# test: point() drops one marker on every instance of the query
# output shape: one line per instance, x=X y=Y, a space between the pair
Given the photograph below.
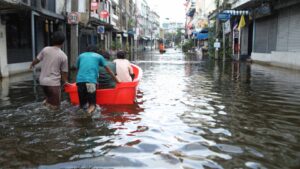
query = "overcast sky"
x=173 y=9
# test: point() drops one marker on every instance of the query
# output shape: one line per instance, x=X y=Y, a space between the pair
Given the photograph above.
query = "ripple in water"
x=190 y=114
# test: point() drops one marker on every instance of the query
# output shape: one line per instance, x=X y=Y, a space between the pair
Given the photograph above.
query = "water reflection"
x=33 y=134
x=190 y=113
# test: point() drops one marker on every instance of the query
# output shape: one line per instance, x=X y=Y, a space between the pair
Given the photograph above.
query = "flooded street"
x=190 y=113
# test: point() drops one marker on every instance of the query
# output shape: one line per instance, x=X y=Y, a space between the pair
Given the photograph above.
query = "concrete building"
x=26 y=26
x=272 y=33
x=147 y=22
x=154 y=29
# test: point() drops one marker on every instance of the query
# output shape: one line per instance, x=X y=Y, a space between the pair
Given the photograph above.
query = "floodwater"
x=190 y=113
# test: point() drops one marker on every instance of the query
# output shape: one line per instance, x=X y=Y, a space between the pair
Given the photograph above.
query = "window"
x=25 y=1
x=44 y=4
x=114 y=9
x=51 y=5
x=18 y=32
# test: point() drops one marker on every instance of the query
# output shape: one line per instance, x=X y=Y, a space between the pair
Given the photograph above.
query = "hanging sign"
x=227 y=28
x=94 y=5
x=104 y=14
x=223 y=16
x=100 y=29
x=73 y=18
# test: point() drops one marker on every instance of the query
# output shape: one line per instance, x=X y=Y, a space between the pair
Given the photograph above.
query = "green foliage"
x=211 y=40
x=116 y=45
x=188 y=45
x=228 y=47
x=131 y=22
x=217 y=2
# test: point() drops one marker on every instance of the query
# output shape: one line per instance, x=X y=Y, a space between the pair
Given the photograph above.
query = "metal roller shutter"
x=272 y=34
x=294 y=29
x=266 y=34
x=283 y=30
x=261 y=38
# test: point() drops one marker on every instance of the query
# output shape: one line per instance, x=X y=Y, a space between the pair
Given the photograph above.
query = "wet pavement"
x=190 y=113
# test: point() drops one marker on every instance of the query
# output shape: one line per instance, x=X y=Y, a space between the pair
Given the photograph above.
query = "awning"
x=202 y=36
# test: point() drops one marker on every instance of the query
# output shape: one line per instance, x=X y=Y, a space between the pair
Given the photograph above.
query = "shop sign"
x=227 y=28
x=223 y=16
x=104 y=14
x=100 y=29
x=94 y=5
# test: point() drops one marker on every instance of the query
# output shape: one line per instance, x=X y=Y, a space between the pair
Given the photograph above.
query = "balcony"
x=240 y=3
x=9 y=4
x=115 y=17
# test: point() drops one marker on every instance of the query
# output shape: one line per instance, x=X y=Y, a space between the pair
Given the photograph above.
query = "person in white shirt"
x=124 y=69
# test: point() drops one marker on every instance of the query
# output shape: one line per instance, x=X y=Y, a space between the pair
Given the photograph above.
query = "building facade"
x=272 y=33
x=26 y=26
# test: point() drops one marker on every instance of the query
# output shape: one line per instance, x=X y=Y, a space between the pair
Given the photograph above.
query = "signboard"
x=100 y=29
x=73 y=18
x=223 y=16
x=94 y=5
x=104 y=14
x=217 y=44
x=227 y=28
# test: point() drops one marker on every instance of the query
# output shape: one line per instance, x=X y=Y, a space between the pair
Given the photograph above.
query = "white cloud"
x=172 y=9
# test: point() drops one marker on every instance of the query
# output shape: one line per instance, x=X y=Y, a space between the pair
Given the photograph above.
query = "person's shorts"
x=86 y=93
x=52 y=94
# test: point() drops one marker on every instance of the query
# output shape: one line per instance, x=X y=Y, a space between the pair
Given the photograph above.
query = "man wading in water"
x=54 y=68
x=88 y=70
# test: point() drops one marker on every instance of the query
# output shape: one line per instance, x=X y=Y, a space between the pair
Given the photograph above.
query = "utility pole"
x=224 y=41
x=74 y=37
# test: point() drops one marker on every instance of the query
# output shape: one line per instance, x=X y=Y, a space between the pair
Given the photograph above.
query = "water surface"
x=190 y=113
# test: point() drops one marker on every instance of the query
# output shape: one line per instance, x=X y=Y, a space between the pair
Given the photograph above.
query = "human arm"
x=34 y=62
x=131 y=73
x=64 y=77
x=37 y=60
x=64 y=70
x=111 y=74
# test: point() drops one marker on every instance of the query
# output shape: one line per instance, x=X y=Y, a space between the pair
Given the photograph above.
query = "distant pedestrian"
x=54 y=68
x=88 y=68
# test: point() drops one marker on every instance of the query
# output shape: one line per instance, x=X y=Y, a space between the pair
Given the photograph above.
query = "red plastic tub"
x=123 y=93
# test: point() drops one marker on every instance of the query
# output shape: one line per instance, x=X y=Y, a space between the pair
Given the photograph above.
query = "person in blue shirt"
x=87 y=73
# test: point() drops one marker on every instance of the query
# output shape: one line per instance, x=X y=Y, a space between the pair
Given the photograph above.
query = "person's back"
x=54 y=68
x=52 y=58
x=124 y=69
x=105 y=80
x=88 y=64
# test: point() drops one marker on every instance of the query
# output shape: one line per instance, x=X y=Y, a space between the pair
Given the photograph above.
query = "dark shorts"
x=52 y=94
x=86 y=93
